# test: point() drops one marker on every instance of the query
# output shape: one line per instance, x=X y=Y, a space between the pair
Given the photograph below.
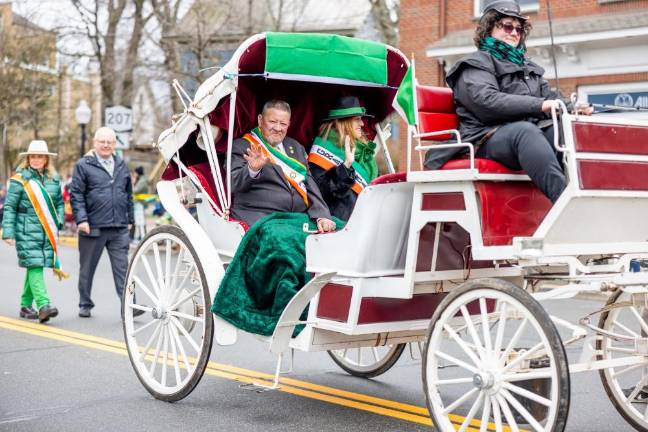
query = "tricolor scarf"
x=325 y=154
x=47 y=216
x=502 y=50
x=294 y=171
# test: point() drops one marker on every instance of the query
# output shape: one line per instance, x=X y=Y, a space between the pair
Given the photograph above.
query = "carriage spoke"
x=540 y=373
x=184 y=279
x=456 y=361
x=147 y=347
x=508 y=415
x=376 y=355
x=462 y=344
x=472 y=412
x=626 y=329
x=157 y=352
x=143 y=287
x=513 y=341
x=167 y=266
x=452 y=381
x=149 y=273
x=165 y=355
x=524 y=356
x=144 y=327
x=522 y=411
x=642 y=322
x=497 y=414
x=500 y=328
x=359 y=356
x=485 y=414
x=471 y=329
x=158 y=267
x=628 y=369
x=176 y=336
x=527 y=394
x=185 y=298
x=176 y=274
x=483 y=310
x=186 y=316
x=622 y=350
x=174 y=321
x=459 y=401
x=174 y=350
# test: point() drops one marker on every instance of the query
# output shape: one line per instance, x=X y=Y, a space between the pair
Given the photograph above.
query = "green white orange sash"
x=326 y=155
x=294 y=171
x=46 y=212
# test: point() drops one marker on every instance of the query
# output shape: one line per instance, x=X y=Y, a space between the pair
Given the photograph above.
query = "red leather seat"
x=203 y=172
x=484 y=166
x=390 y=178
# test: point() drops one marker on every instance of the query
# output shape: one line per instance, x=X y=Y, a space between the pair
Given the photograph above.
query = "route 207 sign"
x=120 y=119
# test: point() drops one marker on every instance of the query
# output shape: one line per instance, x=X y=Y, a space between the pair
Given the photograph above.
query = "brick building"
x=601 y=46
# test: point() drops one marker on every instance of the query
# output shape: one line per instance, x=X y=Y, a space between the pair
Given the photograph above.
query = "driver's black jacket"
x=489 y=92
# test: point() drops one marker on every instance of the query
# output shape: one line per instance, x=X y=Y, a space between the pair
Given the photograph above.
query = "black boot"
x=28 y=312
x=47 y=312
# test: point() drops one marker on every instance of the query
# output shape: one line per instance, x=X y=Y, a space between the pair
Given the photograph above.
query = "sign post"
x=120 y=119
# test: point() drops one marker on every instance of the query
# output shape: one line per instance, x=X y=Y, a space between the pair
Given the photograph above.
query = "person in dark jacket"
x=102 y=203
x=341 y=158
x=32 y=217
x=502 y=99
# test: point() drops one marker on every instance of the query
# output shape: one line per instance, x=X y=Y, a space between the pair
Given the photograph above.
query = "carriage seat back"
x=436 y=110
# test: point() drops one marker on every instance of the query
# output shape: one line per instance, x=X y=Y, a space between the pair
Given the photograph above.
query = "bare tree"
x=102 y=21
x=387 y=14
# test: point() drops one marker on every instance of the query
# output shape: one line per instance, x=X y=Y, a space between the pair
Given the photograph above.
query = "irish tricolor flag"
x=405 y=101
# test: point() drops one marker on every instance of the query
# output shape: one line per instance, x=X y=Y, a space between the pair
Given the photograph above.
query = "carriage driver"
x=270 y=172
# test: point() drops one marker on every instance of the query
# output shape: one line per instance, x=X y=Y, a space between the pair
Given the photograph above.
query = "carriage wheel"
x=367 y=362
x=494 y=361
x=169 y=344
x=624 y=385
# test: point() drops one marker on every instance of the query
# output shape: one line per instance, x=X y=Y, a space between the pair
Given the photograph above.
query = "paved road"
x=74 y=375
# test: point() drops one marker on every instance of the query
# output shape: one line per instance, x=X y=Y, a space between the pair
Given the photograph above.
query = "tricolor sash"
x=46 y=213
x=294 y=171
x=327 y=155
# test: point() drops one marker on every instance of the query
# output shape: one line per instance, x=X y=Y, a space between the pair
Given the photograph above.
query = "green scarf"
x=364 y=155
x=502 y=50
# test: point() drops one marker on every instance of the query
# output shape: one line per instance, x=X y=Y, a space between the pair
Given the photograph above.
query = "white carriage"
x=457 y=259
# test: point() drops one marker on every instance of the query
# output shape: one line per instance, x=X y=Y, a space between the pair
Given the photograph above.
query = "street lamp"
x=82 y=114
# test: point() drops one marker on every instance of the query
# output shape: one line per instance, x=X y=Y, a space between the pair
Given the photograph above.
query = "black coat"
x=97 y=198
x=335 y=185
x=489 y=92
x=270 y=192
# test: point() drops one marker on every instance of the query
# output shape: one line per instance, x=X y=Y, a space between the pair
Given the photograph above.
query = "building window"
x=525 y=5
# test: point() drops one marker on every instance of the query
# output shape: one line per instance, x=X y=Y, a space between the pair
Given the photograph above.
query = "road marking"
x=363 y=402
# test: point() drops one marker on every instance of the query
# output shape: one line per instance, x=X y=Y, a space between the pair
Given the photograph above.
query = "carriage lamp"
x=83 y=114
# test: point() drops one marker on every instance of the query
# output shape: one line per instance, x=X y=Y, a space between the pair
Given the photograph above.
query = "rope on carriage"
x=268 y=269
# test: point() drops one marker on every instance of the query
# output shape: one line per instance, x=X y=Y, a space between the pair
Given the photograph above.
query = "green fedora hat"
x=346 y=106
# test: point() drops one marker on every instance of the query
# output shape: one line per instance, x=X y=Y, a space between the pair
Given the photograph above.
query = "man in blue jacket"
x=102 y=203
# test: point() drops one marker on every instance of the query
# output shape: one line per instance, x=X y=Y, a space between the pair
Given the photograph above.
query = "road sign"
x=119 y=118
x=123 y=140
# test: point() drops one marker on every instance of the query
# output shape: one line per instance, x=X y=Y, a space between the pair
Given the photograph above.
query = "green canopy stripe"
x=326 y=55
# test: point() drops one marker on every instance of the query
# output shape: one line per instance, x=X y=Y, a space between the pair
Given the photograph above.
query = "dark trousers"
x=524 y=146
x=115 y=240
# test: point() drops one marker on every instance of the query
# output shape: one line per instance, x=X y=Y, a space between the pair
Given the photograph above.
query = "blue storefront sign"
x=624 y=99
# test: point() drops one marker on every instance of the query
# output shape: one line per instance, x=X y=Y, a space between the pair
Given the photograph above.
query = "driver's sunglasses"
x=508 y=28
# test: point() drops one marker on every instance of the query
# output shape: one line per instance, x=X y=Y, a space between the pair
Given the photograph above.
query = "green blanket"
x=267 y=270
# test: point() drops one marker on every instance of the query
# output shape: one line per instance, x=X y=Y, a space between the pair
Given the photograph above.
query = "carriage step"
x=259 y=387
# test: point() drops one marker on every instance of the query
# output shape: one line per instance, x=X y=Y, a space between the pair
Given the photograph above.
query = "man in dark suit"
x=270 y=172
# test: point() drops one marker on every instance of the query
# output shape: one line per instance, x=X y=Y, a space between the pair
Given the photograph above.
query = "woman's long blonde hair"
x=48 y=167
x=344 y=128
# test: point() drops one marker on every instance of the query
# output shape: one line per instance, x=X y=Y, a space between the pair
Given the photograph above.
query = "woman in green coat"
x=33 y=214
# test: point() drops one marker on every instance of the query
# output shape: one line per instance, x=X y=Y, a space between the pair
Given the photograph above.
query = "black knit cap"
x=505 y=7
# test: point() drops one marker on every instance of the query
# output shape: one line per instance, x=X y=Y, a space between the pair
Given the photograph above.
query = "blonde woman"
x=342 y=159
x=33 y=215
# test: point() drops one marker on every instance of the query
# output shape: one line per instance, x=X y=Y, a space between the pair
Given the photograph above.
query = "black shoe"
x=138 y=312
x=84 y=312
x=28 y=312
x=641 y=397
x=47 y=312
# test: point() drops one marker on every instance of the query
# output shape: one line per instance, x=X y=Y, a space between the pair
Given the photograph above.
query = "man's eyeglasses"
x=508 y=28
